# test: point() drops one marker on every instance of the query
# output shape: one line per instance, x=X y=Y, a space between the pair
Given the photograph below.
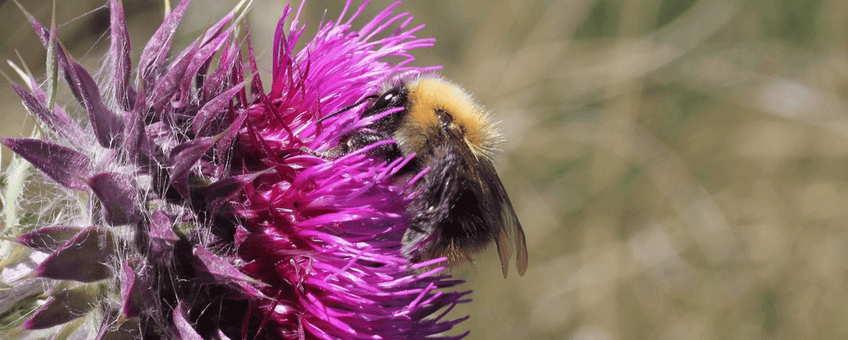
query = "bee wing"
x=504 y=250
x=509 y=228
x=513 y=229
x=495 y=204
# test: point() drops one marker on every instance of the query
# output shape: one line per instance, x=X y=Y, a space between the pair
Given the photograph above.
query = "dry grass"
x=680 y=167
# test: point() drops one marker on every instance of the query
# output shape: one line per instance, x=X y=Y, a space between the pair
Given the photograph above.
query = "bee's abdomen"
x=447 y=216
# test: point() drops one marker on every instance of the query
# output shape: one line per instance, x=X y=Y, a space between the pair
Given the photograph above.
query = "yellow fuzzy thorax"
x=426 y=97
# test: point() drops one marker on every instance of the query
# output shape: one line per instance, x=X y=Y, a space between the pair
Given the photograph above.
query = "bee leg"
x=329 y=154
x=362 y=139
x=359 y=140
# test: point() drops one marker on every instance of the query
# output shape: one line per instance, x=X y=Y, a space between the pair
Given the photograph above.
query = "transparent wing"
x=510 y=234
x=513 y=229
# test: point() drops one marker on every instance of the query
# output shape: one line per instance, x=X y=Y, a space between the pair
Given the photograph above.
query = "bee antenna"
x=373 y=96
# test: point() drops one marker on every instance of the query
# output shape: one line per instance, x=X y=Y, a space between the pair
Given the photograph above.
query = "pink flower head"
x=211 y=214
x=325 y=233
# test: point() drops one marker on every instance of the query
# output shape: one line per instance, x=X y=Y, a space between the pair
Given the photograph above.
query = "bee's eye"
x=390 y=99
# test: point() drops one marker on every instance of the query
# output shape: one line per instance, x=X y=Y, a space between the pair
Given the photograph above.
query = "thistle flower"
x=186 y=207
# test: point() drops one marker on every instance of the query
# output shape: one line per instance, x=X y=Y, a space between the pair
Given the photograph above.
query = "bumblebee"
x=461 y=206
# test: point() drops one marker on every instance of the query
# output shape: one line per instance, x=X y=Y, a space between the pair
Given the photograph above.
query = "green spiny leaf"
x=52 y=66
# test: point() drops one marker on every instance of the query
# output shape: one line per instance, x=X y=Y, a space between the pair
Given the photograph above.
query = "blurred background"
x=680 y=166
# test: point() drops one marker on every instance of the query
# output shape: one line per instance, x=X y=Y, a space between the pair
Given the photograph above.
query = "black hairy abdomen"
x=447 y=216
x=464 y=226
